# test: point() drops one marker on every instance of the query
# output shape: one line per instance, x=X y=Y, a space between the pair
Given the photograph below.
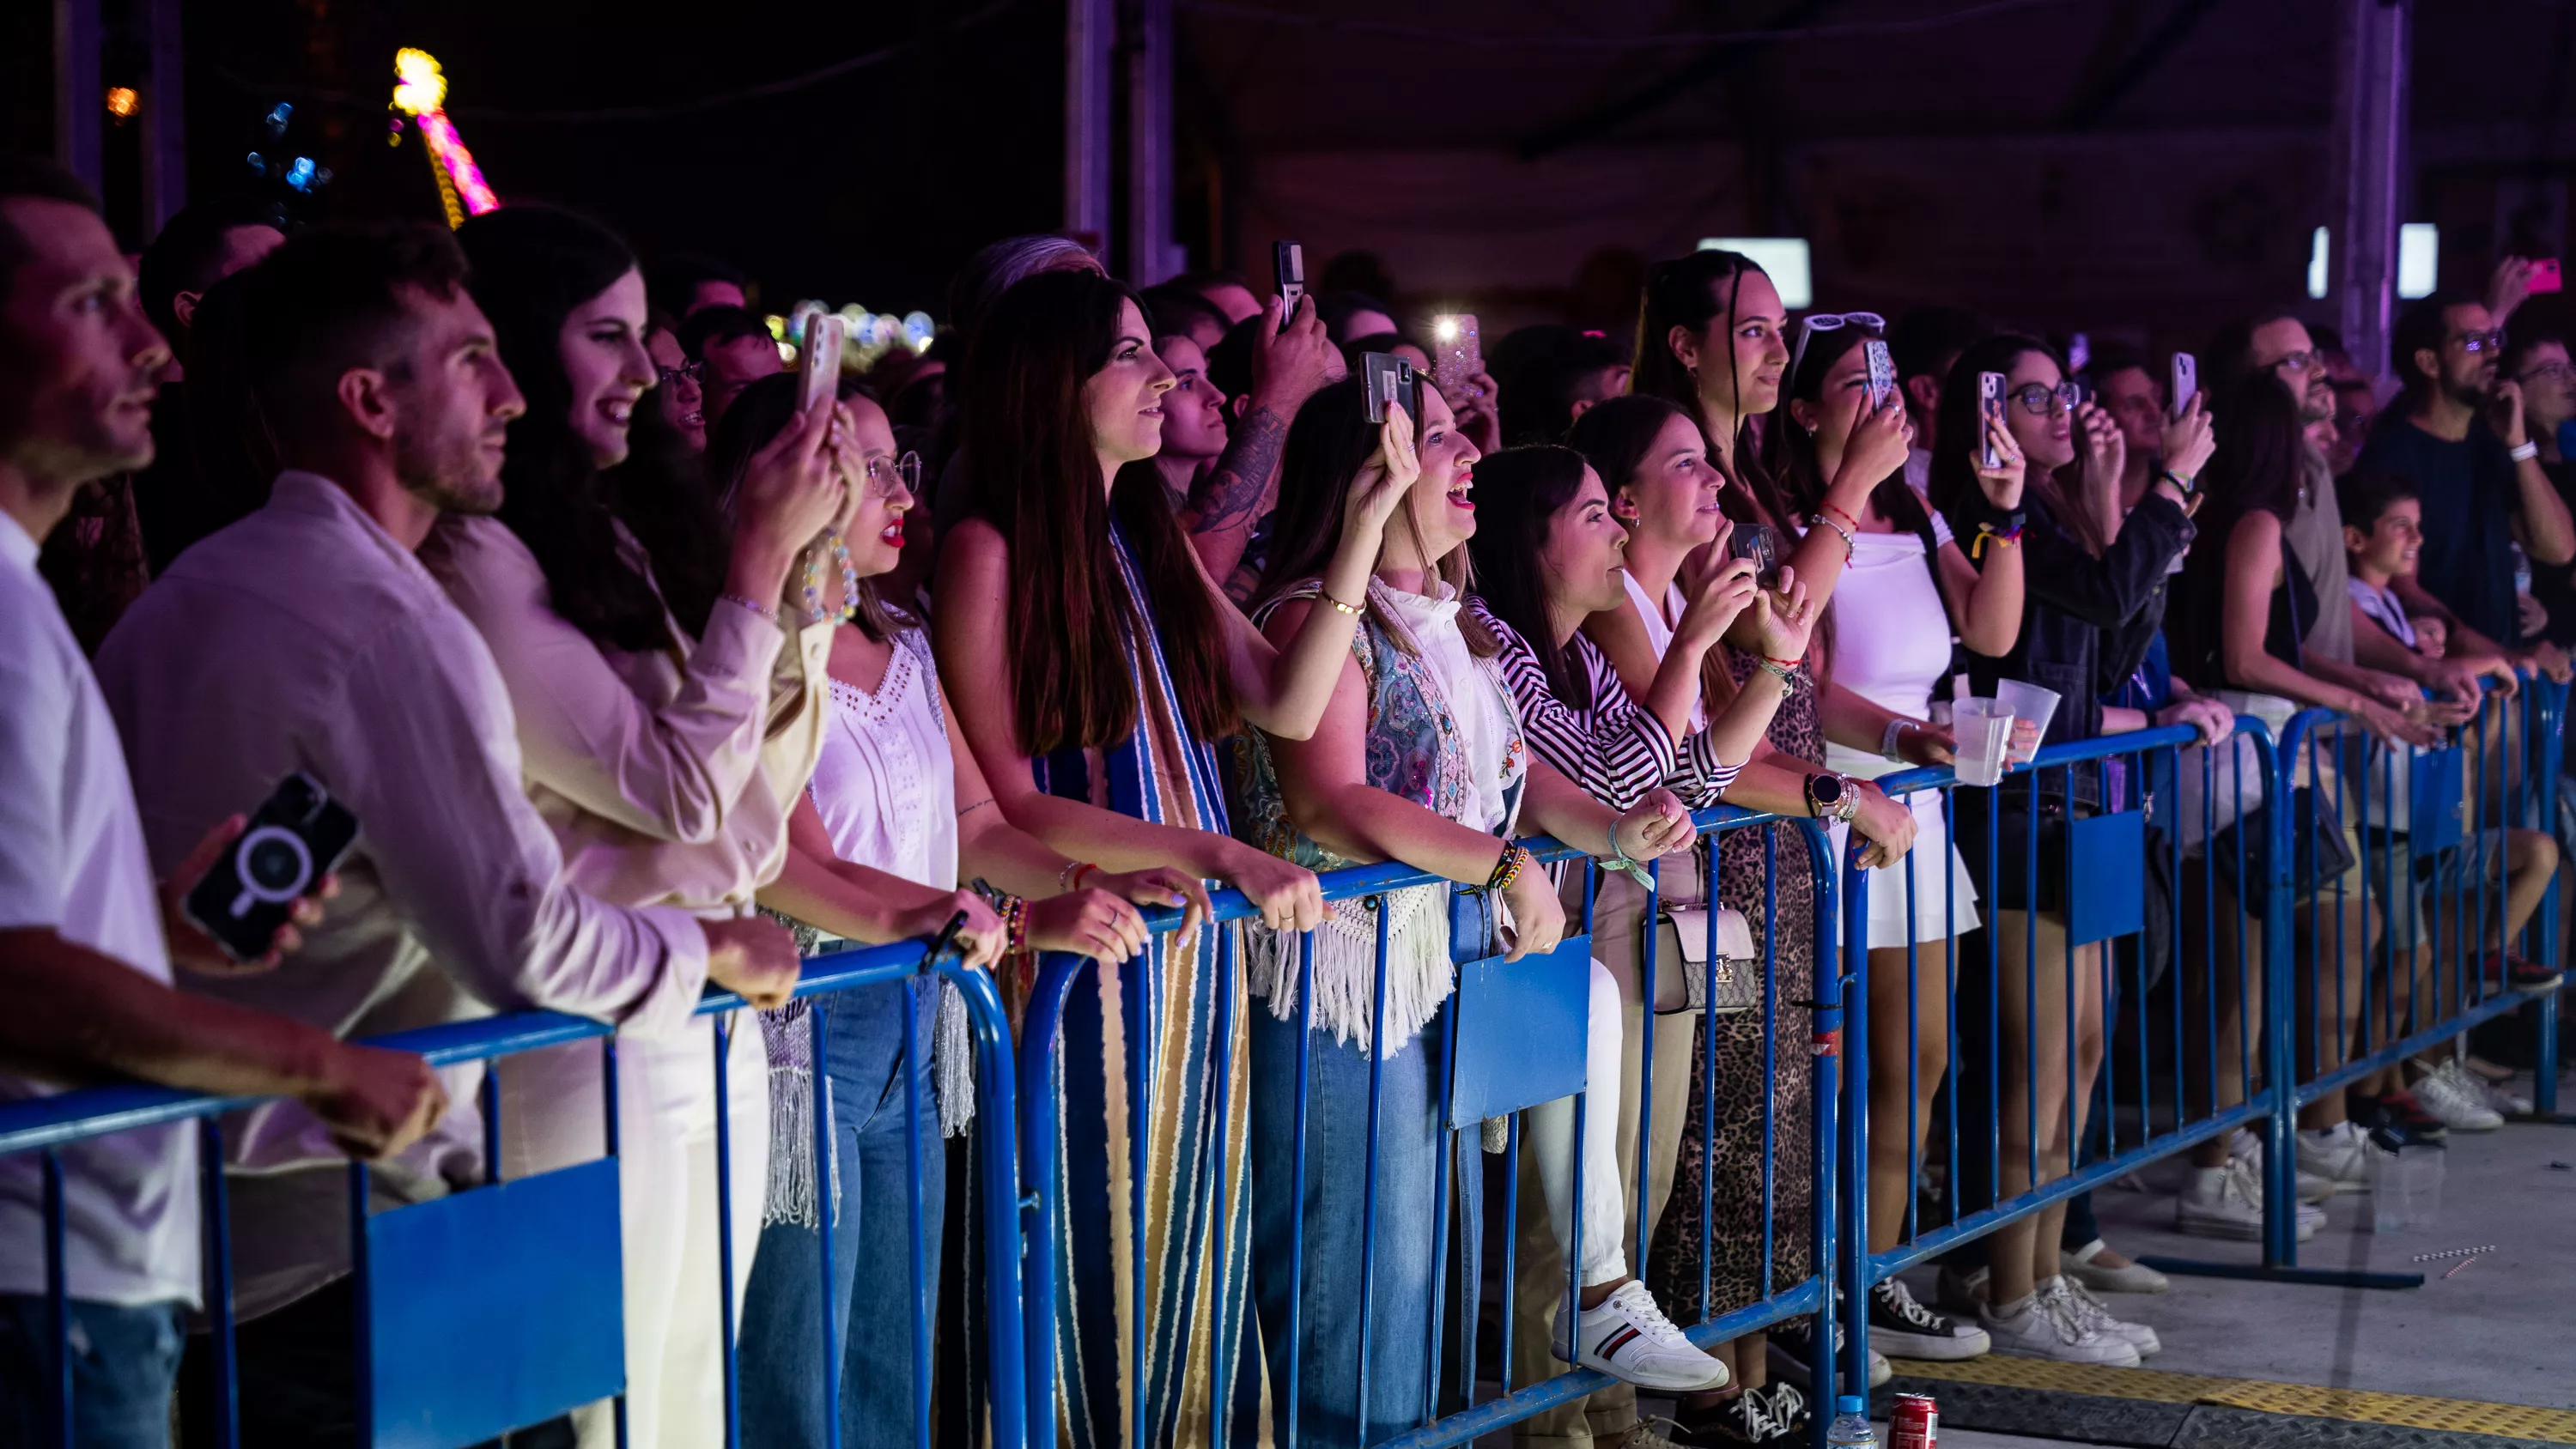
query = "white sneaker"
x=2227 y=1202
x=2247 y=1148
x=2084 y=1266
x=2458 y=1100
x=1628 y=1337
x=2340 y=1154
x=2506 y=1101
x=2040 y=1326
x=2085 y=1309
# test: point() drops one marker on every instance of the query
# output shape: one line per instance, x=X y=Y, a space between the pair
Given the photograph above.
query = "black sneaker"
x=2396 y=1138
x=2511 y=972
x=1772 y=1414
x=1792 y=1351
x=1903 y=1328
x=2399 y=1110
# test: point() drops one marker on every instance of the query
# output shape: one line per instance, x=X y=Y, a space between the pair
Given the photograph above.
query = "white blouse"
x=1477 y=696
x=1659 y=632
x=886 y=784
x=1892 y=635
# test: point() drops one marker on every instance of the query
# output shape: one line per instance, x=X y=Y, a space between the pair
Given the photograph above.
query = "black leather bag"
x=2320 y=851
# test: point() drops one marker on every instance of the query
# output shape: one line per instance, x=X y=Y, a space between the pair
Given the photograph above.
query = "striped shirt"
x=1616 y=749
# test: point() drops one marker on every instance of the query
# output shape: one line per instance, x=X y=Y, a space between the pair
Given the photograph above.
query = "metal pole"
x=1149 y=146
x=78 y=97
x=165 y=119
x=2369 y=158
x=1090 y=27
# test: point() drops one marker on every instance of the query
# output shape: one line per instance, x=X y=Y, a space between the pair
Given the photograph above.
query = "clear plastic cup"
x=2028 y=701
x=1983 y=728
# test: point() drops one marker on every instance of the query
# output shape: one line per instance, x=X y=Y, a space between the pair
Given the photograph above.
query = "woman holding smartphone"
x=896 y=813
x=666 y=720
x=2093 y=593
x=1549 y=556
x=1420 y=758
x=1712 y=341
x=1094 y=665
x=1908 y=584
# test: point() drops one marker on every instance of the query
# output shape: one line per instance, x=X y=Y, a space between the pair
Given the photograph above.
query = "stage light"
x=122 y=102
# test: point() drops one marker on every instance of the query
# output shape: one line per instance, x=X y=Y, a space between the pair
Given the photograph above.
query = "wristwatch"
x=1833 y=797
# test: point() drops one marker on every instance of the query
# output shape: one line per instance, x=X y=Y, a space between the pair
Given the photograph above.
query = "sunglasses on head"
x=1817 y=322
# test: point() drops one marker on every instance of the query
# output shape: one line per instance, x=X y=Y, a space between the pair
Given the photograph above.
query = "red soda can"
x=1914 y=1423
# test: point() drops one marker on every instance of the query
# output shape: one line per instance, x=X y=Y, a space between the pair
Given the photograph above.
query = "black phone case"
x=244 y=921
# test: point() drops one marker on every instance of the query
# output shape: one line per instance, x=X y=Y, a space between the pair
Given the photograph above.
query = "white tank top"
x=1659 y=633
x=886 y=784
x=1891 y=635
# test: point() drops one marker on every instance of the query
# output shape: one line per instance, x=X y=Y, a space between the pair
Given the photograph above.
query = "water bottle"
x=1851 y=1428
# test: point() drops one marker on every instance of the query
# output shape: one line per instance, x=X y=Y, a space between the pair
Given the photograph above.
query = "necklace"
x=814 y=581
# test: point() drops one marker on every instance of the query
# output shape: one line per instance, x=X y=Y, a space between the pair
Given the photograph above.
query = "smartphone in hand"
x=1756 y=541
x=2545 y=276
x=1390 y=380
x=1882 y=371
x=2186 y=381
x=1990 y=405
x=1456 y=356
x=819 y=363
x=1288 y=264
x=298 y=836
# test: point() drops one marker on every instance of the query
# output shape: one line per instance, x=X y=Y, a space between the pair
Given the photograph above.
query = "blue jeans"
x=125 y=1363
x=1408 y=1282
x=784 y=1389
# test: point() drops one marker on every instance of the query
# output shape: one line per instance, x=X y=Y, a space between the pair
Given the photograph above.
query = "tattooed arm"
x=1238 y=492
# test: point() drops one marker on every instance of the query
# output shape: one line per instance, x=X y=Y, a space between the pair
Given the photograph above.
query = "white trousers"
x=1551 y=1140
x=667 y=1205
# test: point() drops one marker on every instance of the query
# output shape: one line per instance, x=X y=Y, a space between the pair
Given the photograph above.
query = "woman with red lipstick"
x=896 y=815
x=666 y=720
x=1094 y=665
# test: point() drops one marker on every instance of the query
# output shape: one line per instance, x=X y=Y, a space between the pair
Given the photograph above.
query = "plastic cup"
x=2028 y=701
x=1983 y=728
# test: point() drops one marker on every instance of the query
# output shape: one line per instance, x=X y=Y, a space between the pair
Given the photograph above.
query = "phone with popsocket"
x=298 y=835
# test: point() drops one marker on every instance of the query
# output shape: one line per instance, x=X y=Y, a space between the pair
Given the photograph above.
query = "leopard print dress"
x=1731 y=1098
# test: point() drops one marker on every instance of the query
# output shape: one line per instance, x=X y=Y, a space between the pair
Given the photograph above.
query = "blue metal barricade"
x=2127 y=849
x=497 y=1307
x=1453 y=1404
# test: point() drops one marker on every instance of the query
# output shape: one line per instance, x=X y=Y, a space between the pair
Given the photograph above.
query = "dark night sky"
x=865 y=187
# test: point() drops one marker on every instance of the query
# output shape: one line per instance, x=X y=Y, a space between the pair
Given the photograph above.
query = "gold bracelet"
x=1350 y=609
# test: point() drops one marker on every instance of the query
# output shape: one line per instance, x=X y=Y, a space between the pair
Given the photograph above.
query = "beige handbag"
x=1682 y=939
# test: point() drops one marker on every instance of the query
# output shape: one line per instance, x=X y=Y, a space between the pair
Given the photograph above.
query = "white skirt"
x=1937 y=909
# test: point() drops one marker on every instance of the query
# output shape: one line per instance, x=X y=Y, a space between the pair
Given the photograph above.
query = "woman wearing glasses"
x=664 y=725
x=1713 y=340
x=1907 y=586
x=2093 y=593
x=896 y=816
x=680 y=393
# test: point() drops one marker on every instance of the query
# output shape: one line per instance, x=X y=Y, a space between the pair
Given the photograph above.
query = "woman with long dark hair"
x=1713 y=341
x=895 y=815
x=664 y=726
x=1907 y=586
x=2093 y=593
x=1094 y=665
x=1549 y=556
x=1420 y=758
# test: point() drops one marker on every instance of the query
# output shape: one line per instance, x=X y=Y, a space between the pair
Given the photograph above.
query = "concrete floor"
x=2502 y=1329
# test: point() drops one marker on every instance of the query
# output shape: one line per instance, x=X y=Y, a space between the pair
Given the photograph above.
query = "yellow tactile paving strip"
x=2468 y=1416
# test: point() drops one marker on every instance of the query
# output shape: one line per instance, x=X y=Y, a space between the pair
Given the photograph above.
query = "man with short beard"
x=2461 y=441
x=308 y=637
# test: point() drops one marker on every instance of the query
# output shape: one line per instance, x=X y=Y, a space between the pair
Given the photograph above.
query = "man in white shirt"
x=309 y=637
x=86 y=935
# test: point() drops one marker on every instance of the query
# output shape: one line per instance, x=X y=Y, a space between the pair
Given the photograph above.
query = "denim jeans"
x=125 y=1361
x=871 y=1291
x=1407 y=1281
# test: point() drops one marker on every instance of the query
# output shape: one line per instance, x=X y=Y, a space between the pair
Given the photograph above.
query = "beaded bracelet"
x=1015 y=924
x=1851 y=545
x=1074 y=869
x=1787 y=675
x=1350 y=609
x=1507 y=869
x=766 y=611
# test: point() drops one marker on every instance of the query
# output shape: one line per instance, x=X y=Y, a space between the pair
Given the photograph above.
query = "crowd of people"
x=641 y=676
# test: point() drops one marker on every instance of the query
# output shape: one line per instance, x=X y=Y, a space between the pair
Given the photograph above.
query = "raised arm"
x=1231 y=498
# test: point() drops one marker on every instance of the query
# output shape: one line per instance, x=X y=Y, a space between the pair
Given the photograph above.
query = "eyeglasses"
x=693 y=371
x=2549 y=372
x=1827 y=322
x=2298 y=362
x=2474 y=343
x=885 y=473
x=2034 y=397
